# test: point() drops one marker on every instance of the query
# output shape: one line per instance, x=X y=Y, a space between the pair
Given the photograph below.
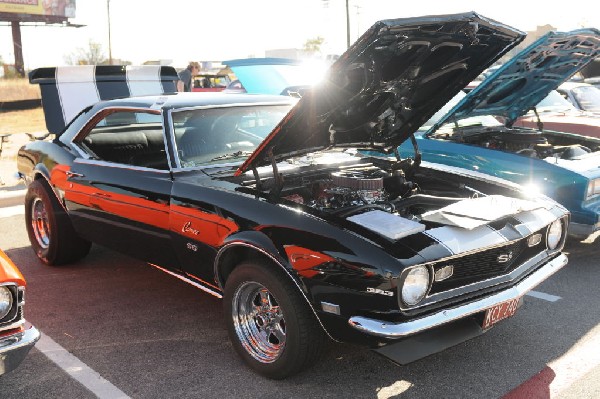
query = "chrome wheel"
x=259 y=322
x=39 y=223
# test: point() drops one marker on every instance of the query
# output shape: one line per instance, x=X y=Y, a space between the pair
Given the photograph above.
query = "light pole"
x=110 y=59
x=347 y=24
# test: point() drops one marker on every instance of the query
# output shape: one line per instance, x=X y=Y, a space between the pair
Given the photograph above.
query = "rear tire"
x=50 y=231
x=269 y=322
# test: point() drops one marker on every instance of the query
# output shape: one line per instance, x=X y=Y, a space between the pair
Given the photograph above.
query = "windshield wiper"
x=232 y=155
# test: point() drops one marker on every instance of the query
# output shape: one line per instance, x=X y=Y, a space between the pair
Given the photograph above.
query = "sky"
x=179 y=31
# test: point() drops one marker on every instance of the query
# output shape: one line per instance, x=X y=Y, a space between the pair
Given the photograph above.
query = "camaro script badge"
x=187 y=228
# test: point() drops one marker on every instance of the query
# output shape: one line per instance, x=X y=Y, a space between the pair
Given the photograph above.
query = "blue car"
x=283 y=76
x=475 y=130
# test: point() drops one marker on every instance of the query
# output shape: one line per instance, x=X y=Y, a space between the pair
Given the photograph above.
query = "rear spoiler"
x=67 y=90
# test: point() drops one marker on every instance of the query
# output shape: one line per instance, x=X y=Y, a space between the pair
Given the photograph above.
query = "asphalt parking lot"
x=116 y=327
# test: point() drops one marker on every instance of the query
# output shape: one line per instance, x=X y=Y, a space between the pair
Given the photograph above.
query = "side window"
x=131 y=138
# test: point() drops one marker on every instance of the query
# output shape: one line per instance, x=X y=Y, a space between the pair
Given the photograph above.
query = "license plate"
x=500 y=312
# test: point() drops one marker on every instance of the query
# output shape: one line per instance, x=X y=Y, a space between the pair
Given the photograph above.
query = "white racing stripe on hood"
x=144 y=80
x=76 y=85
x=534 y=220
x=458 y=240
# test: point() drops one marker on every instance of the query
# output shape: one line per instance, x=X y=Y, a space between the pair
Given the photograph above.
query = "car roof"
x=190 y=100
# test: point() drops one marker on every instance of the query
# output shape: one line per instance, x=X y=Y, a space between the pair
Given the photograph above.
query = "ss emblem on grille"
x=503 y=258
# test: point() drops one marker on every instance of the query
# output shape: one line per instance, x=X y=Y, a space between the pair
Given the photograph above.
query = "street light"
x=326 y=4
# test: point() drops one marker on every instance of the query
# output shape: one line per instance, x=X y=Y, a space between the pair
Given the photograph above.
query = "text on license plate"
x=500 y=312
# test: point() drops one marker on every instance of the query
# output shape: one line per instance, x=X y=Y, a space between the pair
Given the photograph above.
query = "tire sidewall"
x=286 y=363
x=37 y=190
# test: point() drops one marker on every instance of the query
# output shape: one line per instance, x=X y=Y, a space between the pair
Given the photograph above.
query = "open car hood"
x=387 y=84
x=67 y=90
x=521 y=83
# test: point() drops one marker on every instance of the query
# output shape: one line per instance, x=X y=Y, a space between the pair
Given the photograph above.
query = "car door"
x=118 y=192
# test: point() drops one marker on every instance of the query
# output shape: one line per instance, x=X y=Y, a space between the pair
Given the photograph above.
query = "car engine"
x=527 y=142
x=359 y=186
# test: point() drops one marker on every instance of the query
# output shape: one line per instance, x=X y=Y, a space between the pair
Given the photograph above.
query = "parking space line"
x=562 y=373
x=544 y=296
x=78 y=370
x=12 y=211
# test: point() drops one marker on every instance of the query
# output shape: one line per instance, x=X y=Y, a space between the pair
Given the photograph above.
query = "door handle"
x=73 y=174
x=103 y=195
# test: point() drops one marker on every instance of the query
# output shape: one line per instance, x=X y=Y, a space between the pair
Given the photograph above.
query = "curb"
x=12 y=194
x=12 y=198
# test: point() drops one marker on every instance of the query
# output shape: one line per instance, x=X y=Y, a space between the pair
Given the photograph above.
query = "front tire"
x=50 y=231
x=269 y=322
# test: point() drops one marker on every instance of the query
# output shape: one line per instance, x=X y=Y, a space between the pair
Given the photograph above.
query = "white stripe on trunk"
x=144 y=80
x=76 y=89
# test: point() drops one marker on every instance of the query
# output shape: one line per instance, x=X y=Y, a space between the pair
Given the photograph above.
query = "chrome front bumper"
x=14 y=348
x=403 y=329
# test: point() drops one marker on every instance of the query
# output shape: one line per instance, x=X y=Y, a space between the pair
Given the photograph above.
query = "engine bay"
x=527 y=142
x=372 y=186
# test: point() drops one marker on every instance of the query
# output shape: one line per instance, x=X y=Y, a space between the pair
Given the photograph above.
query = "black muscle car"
x=267 y=202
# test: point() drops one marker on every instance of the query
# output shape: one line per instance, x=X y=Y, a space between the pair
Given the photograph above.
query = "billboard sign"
x=57 y=8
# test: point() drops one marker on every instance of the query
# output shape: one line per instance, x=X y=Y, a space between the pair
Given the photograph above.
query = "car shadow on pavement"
x=139 y=328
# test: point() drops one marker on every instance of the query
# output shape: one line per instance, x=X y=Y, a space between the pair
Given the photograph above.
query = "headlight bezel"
x=406 y=273
x=553 y=242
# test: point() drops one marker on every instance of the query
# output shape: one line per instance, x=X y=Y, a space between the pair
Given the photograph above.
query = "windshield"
x=223 y=135
x=554 y=102
x=485 y=120
x=588 y=98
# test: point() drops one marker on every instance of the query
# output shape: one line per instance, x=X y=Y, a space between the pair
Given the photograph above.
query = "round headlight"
x=555 y=232
x=415 y=285
x=6 y=300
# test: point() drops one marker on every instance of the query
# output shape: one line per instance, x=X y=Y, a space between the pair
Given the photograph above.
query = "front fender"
x=263 y=246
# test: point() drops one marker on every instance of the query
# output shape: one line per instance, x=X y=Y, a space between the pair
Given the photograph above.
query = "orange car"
x=210 y=82
x=17 y=336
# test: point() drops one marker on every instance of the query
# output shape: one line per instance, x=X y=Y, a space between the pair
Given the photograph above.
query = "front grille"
x=486 y=264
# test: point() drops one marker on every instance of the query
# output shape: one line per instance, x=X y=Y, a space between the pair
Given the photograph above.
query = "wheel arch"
x=41 y=173
x=239 y=250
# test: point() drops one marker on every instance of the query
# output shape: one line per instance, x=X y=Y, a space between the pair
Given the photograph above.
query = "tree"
x=313 y=46
x=92 y=55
